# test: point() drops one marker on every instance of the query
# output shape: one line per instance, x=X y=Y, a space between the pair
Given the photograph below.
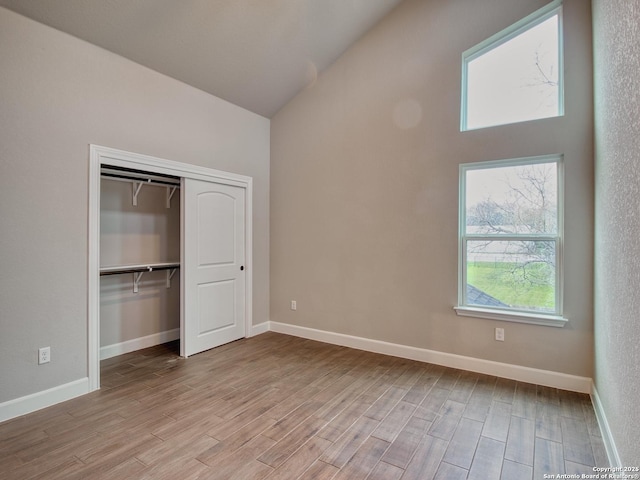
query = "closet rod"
x=139 y=270
x=139 y=178
x=146 y=180
x=147 y=267
x=138 y=174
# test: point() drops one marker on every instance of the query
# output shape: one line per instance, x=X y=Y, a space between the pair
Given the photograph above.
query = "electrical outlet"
x=44 y=355
x=500 y=334
x=294 y=305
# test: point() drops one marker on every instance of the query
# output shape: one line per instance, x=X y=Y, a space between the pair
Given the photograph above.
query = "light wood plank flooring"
x=280 y=407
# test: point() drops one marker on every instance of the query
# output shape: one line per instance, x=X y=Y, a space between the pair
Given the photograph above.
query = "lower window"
x=510 y=258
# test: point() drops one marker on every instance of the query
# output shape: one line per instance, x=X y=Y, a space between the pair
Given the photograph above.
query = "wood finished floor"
x=280 y=407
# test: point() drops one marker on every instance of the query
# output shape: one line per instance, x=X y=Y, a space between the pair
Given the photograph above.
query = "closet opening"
x=169 y=256
x=139 y=258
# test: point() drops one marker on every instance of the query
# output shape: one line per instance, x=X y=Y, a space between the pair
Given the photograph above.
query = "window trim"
x=502 y=37
x=555 y=318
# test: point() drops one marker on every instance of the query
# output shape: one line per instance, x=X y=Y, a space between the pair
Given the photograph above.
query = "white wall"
x=364 y=189
x=58 y=95
x=617 y=267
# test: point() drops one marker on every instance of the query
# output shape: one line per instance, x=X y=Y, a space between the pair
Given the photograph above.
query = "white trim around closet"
x=99 y=155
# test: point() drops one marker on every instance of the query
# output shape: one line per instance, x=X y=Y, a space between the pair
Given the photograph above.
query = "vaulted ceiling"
x=257 y=54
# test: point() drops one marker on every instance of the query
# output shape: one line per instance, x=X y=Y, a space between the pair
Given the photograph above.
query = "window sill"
x=518 y=317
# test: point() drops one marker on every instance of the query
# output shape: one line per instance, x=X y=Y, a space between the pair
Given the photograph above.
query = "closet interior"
x=139 y=259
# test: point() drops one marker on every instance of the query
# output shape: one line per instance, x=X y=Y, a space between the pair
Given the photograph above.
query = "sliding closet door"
x=213 y=265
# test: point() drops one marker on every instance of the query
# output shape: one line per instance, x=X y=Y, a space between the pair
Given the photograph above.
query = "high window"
x=511 y=240
x=516 y=75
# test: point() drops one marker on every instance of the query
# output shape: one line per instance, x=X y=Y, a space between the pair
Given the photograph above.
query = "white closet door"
x=213 y=267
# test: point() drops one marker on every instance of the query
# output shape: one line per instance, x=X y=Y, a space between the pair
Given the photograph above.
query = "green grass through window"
x=530 y=287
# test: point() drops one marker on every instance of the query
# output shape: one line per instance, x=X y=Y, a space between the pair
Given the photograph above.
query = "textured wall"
x=58 y=95
x=617 y=267
x=364 y=188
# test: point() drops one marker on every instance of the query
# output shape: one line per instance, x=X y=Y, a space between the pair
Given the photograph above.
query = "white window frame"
x=554 y=319
x=502 y=37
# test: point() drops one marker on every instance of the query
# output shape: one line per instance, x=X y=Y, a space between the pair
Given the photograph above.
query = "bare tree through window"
x=511 y=228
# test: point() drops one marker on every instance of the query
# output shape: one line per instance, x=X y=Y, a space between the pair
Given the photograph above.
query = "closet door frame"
x=98 y=156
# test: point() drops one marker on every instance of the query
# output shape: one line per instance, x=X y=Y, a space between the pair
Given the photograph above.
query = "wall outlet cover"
x=44 y=355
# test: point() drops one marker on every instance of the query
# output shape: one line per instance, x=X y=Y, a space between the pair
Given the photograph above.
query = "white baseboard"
x=139 y=343
x=157 y=339
x=259 y=329
x=46 y=398
x=488 y=367
x=37 y=401
x=607 y=436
